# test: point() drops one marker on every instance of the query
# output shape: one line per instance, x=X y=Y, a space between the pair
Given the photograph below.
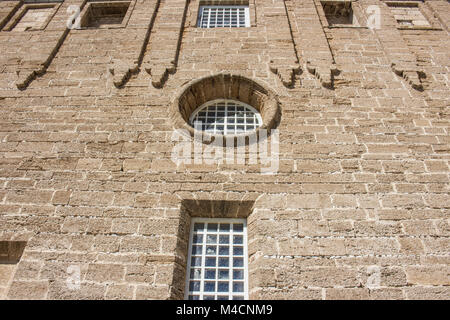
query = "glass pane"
x=211 y=238
x=238 y=274
x=212 y=227
x=211 y=250
x=224 y=227
x=210 y=274
x=223 y=262
x=223 y=287
x=238 y=227
x=210 y=286
x=196 y=261
x=224 y=239
x=196 y=250
x=224 y=251
x=222 y=297
x=210 y=262
x=194 y=286
x=238 y=286
x=237 y=262
x=194 y=297
x=196 y=273
x=208 y=297
x=238 y=251
x=199 y=226
x=224 y=274
x=198 y=238
x=238 y=239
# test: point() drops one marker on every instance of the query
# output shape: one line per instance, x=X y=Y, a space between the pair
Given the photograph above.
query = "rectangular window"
x=338 y=13
x=217 y=260
x=408 y=14
x=106 y=14
x=223 y=17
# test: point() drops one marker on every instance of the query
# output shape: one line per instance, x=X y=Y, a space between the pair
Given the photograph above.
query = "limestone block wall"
x=87 y=180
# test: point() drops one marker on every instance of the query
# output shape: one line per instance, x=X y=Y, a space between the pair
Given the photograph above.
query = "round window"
x=225 y=117
x=225 y=105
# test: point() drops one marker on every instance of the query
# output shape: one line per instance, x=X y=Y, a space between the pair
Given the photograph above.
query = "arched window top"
x=226 y=117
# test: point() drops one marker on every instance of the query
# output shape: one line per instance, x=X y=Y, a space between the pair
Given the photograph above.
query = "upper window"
x=106 y=14
x=32 y=16
x=226 y=117
x=217 y=261
x=223 y=16
x=408 y=14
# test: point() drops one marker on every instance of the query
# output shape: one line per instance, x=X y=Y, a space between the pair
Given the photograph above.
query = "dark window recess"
x=105 y=14
x=11 y=251
x=338 y=12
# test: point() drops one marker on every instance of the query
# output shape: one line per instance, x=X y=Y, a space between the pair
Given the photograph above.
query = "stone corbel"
x=160 y=73
x=121 y=70
x=325 y=74
x=286 y=74
x=410 y=74
x=160 y=63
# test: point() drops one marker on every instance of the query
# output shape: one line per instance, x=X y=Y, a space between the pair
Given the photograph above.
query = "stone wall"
x=87 y=180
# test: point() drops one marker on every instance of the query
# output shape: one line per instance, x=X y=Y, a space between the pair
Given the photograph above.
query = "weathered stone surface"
x=358 y=207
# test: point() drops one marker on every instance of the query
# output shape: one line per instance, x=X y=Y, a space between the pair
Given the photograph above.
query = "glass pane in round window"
x=226 y=117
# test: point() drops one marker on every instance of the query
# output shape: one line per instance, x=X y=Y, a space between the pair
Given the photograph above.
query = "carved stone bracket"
x=284 y=62
x=323 y=73
x=402 y=60
x=30 y=69
x=310 y=40
x=161 y=62
x=286 y=74
x=410 y=74
x=123 y=70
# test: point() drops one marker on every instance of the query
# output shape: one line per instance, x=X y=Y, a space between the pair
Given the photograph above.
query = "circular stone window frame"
x=228 y=87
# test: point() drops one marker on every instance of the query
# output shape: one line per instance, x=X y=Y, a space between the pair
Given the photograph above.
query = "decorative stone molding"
x=26 y=76
x=310 y=40
x=225 y=86
x=30 y=69
x=402 y=60
x=284 y=62
x=163 y=61
x=122 y=70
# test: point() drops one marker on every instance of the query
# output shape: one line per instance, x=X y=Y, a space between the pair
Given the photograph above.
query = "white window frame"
x=258 y=119
x=209 y=25
x=202 y=279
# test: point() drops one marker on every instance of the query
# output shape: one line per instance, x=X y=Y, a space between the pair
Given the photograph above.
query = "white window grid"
x=224 y=17
x=217 y=267
x=226 y=117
